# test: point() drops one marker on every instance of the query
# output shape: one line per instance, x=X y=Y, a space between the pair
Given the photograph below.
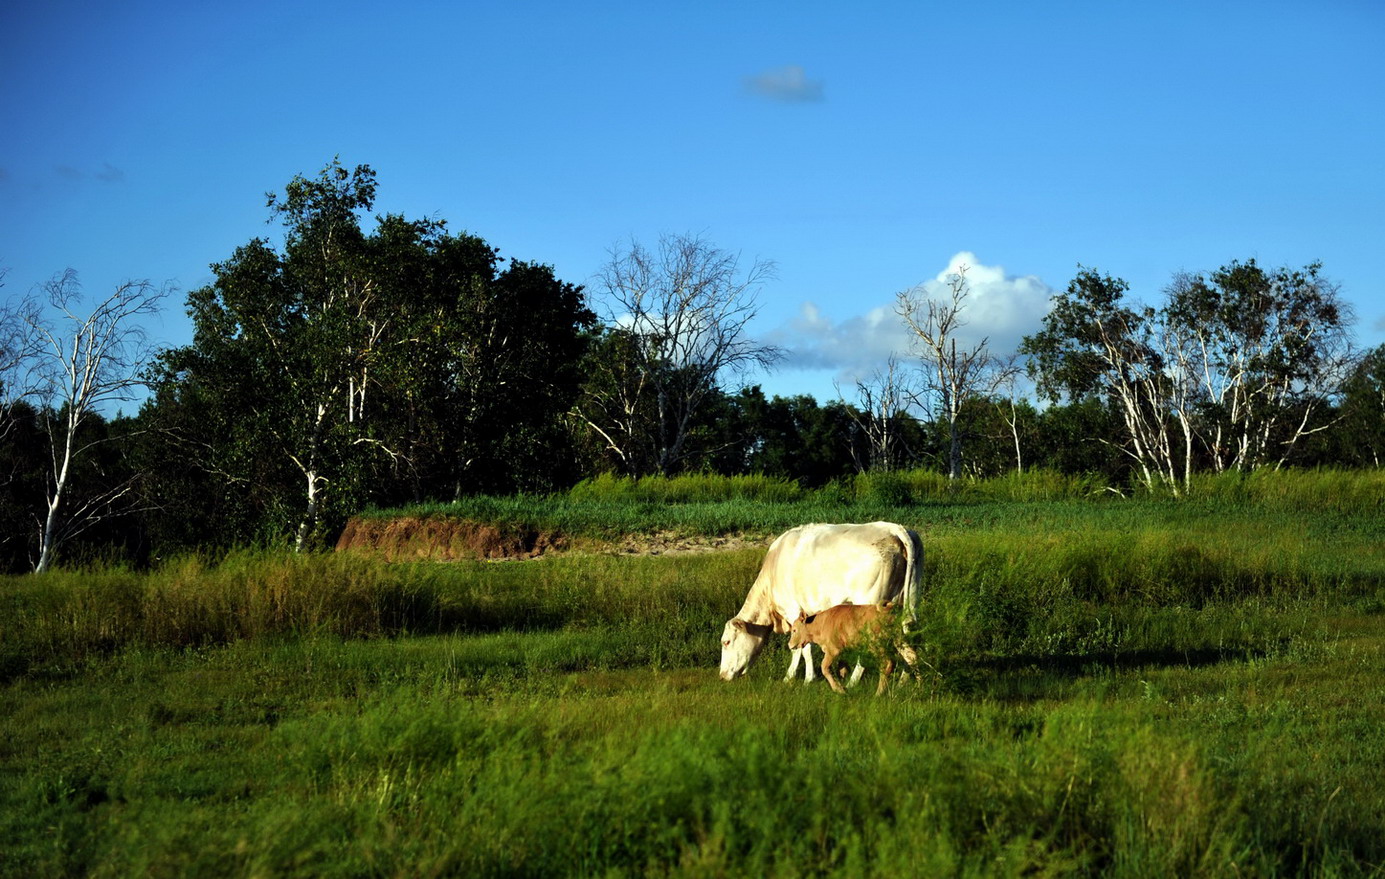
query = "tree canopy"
x=352 y=365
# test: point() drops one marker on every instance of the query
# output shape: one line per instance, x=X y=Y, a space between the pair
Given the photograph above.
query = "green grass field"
x=1124 y=687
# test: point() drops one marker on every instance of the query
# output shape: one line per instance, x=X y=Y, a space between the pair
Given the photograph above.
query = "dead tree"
x=952 y=376
x=684 y=310
x=82 y=363
x=881 y=400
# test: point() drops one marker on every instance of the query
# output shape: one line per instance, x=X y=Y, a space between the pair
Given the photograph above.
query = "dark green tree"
x=1360 y=432
x=1083 y=436
x=284 y=344
x=1095 y=343
x=1263 y=349
x=349 y=366
x=492 y=368
x=23 y=469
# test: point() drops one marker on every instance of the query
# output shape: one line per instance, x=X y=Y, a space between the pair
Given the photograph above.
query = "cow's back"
x=814 y=567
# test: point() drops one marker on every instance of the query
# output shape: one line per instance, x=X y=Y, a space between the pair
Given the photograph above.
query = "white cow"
x=813 y=567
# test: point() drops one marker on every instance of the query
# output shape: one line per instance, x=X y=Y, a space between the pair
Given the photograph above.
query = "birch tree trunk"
x=83 y=362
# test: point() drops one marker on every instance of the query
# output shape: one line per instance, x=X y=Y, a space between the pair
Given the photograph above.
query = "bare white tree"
x=682 y=312
x=952 y=376
x=80 y=364
x=1009 y=406
x=881 y=400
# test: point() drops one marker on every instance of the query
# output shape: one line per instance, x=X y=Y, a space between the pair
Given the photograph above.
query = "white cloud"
x=788 y=83
x=999 y=308
x=854 y=347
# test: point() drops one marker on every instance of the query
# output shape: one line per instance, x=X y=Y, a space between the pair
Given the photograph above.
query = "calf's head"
x=800 y=634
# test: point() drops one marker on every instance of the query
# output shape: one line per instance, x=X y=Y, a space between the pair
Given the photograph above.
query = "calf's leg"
x=884 y=675
x=828 y=656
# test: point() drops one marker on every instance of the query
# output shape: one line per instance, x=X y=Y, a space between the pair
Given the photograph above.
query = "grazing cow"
x=813 y=567
x=849 y=625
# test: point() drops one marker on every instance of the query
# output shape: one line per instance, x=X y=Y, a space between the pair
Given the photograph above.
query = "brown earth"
x=439 y=539
x=411 y=537
x=669 y=543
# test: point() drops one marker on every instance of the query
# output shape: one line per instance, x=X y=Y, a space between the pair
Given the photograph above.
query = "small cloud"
x=788 y=83
x=110 y=174
x=107 y=173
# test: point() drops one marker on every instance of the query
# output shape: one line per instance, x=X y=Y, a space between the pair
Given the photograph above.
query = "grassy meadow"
x=1114 y=686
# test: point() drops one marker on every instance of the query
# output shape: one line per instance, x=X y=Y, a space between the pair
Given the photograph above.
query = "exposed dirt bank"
x=409 y=537
x=412 y=538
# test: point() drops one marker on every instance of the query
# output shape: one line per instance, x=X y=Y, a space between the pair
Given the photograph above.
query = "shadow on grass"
x=1029 y=677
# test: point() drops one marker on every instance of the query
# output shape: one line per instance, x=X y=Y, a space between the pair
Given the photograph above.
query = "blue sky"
x=863 y=147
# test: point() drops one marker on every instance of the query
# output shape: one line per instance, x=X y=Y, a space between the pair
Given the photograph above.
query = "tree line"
x=352 y=364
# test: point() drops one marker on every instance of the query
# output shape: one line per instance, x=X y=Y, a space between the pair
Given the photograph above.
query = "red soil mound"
x=410 y=537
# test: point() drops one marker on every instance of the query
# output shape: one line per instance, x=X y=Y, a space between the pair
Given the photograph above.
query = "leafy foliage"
x=1233 y=372
x=351 y=361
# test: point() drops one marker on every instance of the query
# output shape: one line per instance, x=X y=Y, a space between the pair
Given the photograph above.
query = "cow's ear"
x=740 y=624
x=807 y=619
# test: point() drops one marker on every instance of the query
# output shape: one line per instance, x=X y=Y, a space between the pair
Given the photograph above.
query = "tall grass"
x=689 y=488
x=66 y=616
x=327 y=757
x=1360 y=492
x=1122 y=687
x=1039 y=585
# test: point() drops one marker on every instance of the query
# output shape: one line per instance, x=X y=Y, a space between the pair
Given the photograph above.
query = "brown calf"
x=847 y=625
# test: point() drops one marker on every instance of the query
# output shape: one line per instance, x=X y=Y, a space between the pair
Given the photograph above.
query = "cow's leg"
x=911 y=659
x=794 y=657
x=808 y=674
x=856 y=674
x=908 y=654
x=804 y=653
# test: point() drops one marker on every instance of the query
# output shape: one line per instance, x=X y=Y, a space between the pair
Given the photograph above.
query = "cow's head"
x=741 y=642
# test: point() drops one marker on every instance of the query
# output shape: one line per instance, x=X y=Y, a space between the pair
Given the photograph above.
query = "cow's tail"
x=913 y=573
